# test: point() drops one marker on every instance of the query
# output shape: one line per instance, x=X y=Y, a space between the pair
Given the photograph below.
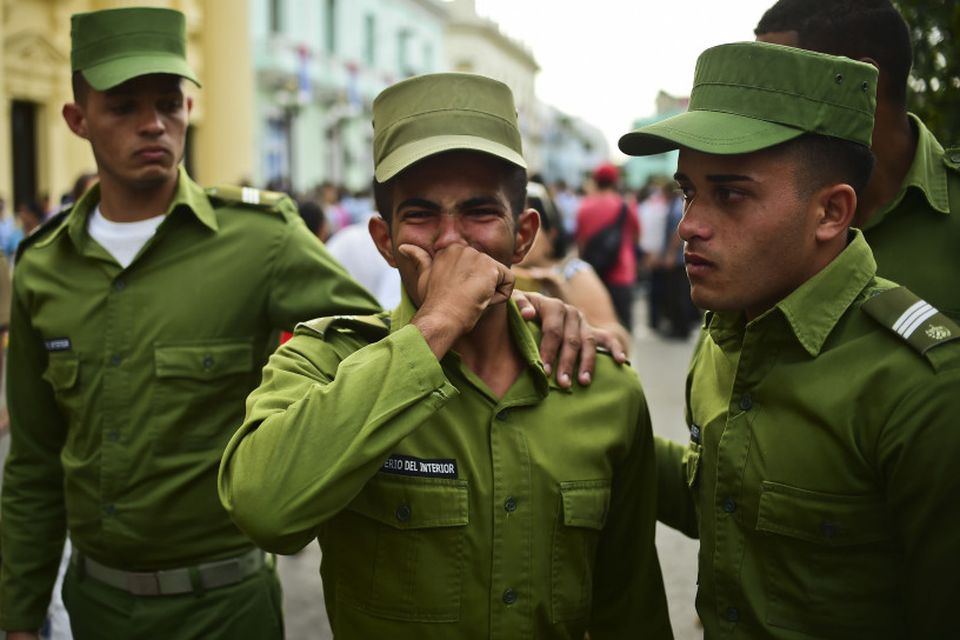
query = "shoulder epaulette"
x=48 y=225
x=916 y=321
x=374 y=327
x=246 y=196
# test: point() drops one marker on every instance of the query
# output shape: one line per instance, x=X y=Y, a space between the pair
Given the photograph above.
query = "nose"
x=449 y=231
x=151 y=122
x=693 y=224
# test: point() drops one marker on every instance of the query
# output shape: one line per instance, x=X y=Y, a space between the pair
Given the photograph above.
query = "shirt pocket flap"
x=62 y=372
x=822 y=518
x=414 y=503
x=203 y=361
x=585 y=504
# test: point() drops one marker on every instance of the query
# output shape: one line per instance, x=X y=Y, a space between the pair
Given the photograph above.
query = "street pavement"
x=662 y=366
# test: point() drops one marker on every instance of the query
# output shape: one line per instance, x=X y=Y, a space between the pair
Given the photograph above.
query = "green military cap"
x=749 y=96
x=433 y=113
x=115 y=45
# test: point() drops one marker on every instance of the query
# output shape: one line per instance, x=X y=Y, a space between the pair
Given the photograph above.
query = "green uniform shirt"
x=126 y=383
x=442 y=511
x=916 y=236
x=821 y=469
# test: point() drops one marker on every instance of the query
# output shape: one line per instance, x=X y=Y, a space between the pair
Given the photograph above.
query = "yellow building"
x=39 y=153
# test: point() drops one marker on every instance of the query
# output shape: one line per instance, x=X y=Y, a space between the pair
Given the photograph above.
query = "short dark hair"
x=80 y=87
x=549 y=221
x=852 y=28
x=514 y=176
x=825 y=160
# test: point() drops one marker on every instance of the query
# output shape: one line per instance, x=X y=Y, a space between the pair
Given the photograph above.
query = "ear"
x=528 y=224
x=380 y=232
x=189 y=104
x=75 y=119
x=836 y=207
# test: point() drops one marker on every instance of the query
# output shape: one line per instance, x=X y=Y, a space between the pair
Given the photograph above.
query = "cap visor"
x=706 y=131
x=115 y=72
x=412 y=152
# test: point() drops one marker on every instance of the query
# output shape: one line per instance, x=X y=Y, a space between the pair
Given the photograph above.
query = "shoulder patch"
x=916 y=321
x=246 y=196
x=375 y=327
x=50 y=224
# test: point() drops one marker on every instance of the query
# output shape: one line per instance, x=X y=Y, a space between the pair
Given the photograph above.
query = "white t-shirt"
x=122 y=240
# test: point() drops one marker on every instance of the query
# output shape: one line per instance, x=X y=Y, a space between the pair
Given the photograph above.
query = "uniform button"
x=115 y=359
x=502 y=415
x=509 y=596
x=403 y=513
x=119 y=285
x=746 y=402
x=113 y=435
x=109 y=509
x=729 y=505
x=208 y=362
x=731 y=614
x=510 y=505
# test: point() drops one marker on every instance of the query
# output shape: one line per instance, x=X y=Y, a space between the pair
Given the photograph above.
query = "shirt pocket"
x=401 y=545
x=63 y=374
x=831 y=563
x=200 y=391
x=583 y=514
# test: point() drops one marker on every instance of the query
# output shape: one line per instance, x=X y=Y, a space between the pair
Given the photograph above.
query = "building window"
x=330 y=22
x=403 y=53
x=370 y=39
x=276 y=16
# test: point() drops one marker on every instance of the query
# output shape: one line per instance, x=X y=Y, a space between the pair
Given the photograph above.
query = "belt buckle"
x=143 y=584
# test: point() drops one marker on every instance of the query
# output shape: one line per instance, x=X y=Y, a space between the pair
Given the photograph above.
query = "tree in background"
x=935 y=78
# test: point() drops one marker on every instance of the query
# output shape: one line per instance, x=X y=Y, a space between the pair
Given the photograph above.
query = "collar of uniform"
x=927 y=174
x=815 y=307
x=523 y=338
x=189 y=195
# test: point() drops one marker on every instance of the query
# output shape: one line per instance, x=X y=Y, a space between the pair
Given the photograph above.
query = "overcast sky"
x=605 y=60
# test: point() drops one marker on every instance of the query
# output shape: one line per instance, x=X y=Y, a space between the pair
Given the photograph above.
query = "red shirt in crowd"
x=596 y=212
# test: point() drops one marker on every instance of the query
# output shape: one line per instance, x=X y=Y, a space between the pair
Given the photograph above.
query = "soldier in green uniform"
x=455 y=490
x=141 y=318
x=821 y=400
x=910 y=210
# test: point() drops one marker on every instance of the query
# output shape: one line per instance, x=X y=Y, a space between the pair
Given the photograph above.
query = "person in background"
x=601 y=209
x=567 y=204
x=552 y=268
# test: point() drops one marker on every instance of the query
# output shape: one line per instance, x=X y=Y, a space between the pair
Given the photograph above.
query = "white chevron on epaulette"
x=915 y=315
x=250 y=195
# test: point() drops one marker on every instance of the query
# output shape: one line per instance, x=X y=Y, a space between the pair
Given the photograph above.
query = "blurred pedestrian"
x=141 y=319
x=567 y=204
x=601 y=210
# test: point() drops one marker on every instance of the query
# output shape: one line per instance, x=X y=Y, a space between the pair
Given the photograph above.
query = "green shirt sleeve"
x=310 y=441
x=33 y=523
x=918 y=452
x=301 y=258
x=629 y=599
x=675 y=504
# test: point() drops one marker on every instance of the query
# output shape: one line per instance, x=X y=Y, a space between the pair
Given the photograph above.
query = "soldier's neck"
x=894 y=145
x=122 y=203
x=489 y=352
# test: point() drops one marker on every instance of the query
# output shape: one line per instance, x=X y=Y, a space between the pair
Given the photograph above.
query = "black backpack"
x=603 y=248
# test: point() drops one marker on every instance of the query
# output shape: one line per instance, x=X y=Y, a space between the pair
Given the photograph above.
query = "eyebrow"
x=717 y=177
x=470 y=203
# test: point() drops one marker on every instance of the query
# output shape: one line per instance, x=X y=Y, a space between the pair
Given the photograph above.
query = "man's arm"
x=675 y=501
x=628 y=597
x=33 y=521
x=918 y=453
x=327 y=415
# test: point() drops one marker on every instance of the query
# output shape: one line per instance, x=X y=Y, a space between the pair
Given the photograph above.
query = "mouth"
x=152 y=154
x=696 y=264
